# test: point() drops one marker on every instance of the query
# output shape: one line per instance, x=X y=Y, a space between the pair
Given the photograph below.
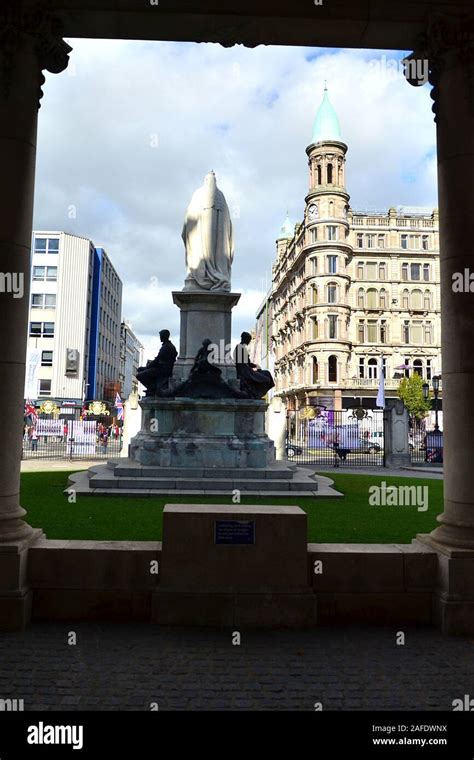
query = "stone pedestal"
x=234 y=565
x=396 y=434
x=205 y=314
x=225 y=433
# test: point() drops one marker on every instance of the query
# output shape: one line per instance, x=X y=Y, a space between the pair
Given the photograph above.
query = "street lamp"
x=435 y=382
x=426 y=391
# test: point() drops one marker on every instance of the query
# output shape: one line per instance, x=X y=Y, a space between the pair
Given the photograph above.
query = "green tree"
x=410 y=391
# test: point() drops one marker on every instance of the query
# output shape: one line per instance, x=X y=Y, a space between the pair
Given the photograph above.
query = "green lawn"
x=349 y=520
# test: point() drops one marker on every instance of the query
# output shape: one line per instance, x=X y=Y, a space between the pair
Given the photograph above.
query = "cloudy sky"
x=128 y=132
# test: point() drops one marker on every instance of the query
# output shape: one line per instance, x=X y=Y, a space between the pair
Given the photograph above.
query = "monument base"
x=221 y=433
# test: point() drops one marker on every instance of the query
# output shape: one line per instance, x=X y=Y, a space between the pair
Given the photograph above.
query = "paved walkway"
x=53 y=465
x=128 y=667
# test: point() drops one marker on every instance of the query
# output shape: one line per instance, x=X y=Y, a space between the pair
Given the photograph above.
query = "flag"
x=30 y=411
x=119 y=407
x=381 y=394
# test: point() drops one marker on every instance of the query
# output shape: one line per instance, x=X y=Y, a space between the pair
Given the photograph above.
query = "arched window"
x=372 y=369
x=417 y=300
x=427 y=300
x=314 y=295
x=329 y=171
x=371 y=298
x=332 y=369
x=331 y=208
x=405 y=299
x=315 y=370
x=360 y=299
x=320 y=175
x=332 y=293
x=383 y=299
x=418 y=367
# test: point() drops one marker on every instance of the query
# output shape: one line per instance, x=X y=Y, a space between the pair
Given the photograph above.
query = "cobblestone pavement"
x=128 y=667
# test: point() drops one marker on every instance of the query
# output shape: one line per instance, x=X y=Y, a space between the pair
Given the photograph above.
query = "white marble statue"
x=207 y=236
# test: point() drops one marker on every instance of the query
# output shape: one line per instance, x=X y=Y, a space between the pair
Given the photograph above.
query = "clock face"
x=313 y=211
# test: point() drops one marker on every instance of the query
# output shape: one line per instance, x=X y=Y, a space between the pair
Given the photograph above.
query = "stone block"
x=357 y=568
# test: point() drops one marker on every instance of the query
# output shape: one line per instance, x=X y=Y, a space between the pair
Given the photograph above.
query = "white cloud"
x=248 y=115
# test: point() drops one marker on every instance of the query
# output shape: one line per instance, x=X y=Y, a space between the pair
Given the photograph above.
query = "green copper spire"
x=326 y=125
x=288 y=229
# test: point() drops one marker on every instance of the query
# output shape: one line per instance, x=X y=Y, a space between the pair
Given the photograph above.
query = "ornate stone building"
x=351 y=290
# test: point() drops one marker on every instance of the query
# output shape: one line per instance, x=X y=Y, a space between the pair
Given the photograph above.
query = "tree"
x=410 y=391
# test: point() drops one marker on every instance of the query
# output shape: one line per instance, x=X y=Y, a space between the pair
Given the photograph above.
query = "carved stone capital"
x=20 y=20
x=447 y=42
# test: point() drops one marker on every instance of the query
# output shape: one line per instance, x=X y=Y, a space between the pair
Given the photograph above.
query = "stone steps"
x=274 y=472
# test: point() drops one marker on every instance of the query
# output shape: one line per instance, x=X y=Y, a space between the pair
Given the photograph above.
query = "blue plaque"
x=235 y=532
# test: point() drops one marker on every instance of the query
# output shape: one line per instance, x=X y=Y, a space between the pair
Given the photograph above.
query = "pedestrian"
x=34 y=440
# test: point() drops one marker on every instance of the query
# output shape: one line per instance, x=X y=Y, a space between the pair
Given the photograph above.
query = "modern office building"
x=75 y=315
x=131 y=358
x=350 y=290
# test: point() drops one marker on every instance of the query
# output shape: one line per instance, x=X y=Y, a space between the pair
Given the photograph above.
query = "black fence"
x=70 y=436
x=347 y=438
x=426 y=443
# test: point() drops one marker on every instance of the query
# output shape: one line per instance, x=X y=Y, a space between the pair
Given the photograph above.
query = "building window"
x=36 y=301
x=320 y=175
x=48 y=329
x=372 y=331
x=381 y=241
x=425 y=242
x=46 y=358
x=40 y=245
x=370 y=241
x=428 y=333
x=39 y=273
x=332 y=293
x=360 y=240
x=44 y=388
x=404 y=241
x=332 y=232
x=315 y=370
x=428 y=369
x=382 y=271
x=406 y=299
x=427 y=300
x=383 y=331
x=360 y=270
x=372 y=369
x=405 y=272
x=332 y=369
x=383 y=298
x=415 y=242
x=371 y=298
x=417 y=300
x=315 y=328
x=416 y=333
x=415 y=271
x=406 y=332
x=331 y=208
x=418 y=367
x=361 y=367
x=332 y=322
x=51 y=274
x=35 y=329
x=329 y=174
x=360 y=299
x=50 y=301
x=332 y=264
x=371 y=270
x=314 y=265
x=426 y=272
x=314 y=234
x=314 y=295
x=53 y=245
